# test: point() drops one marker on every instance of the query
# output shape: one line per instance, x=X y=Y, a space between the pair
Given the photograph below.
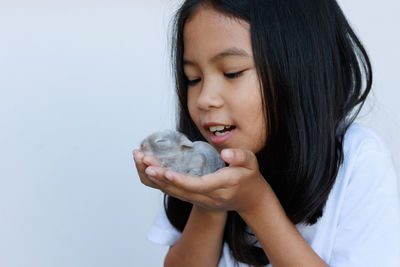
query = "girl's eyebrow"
x=232 y=51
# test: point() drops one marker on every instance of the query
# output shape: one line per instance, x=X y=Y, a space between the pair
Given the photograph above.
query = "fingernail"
x=228 y=154
x=168 y=175
x=151 y=172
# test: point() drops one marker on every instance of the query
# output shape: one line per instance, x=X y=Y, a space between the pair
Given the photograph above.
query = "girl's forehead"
x=209 y=32
x=208 y=16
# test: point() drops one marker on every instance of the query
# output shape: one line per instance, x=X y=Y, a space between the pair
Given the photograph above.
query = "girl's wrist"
x=265 y=196
x=212 y=214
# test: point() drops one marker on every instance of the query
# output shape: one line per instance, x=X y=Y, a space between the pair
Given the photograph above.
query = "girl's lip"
x=219 y=140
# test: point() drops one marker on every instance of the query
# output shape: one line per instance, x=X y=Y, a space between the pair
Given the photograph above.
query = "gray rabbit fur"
x=176 y=152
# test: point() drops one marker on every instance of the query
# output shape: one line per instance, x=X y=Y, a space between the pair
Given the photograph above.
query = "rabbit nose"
x=142 y=147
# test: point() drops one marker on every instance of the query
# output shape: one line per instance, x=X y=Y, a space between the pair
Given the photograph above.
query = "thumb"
x=239 y=157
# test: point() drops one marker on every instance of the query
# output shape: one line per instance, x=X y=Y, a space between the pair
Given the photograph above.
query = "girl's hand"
x=141 y=166
x=237 y=187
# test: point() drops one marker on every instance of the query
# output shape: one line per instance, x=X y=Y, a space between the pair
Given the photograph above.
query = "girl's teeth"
x=221 y=134
x=217 y=128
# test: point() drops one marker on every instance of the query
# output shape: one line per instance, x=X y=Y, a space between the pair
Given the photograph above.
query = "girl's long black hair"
x=315 y=76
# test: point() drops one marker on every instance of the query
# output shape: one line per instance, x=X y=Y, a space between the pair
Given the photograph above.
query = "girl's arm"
x=278 y=236
x=240 y=187
x=201 y=240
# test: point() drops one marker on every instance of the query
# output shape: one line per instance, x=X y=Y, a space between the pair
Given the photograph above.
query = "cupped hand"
x=142 y=161
x=236 y=187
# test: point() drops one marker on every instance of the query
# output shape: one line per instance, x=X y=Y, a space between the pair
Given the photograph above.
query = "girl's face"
x=223 y=88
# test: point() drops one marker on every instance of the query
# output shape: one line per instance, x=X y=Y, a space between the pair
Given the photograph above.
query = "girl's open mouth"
x=221 y=136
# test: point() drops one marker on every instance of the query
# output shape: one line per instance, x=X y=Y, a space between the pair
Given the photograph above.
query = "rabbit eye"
x=162 y=141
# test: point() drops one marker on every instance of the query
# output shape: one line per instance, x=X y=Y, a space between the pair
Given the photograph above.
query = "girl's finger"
x=239 y=157
x=194 y=198
x=157 y=173
x=142 y=161
x=159 y=184
x=141 y=167
x=149 y=160
x=198 y=184
x=193 y=190
x=150 y=183
x=138 y=158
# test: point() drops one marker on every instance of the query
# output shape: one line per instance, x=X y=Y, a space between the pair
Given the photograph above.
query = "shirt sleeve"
x=368 y=230
x=162 y=231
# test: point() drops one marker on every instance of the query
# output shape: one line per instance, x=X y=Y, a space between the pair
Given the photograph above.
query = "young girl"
x=304 y=185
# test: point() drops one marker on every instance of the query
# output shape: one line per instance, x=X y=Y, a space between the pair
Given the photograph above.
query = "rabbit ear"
x=185 y=142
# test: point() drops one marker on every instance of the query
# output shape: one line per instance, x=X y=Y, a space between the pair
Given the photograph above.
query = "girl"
x=304 y=185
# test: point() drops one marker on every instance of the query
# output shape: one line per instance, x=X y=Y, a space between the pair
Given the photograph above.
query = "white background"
x=81 y=83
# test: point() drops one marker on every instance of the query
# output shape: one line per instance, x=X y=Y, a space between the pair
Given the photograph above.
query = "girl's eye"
x=192 y=82
x=228 y=75
x=233 y=75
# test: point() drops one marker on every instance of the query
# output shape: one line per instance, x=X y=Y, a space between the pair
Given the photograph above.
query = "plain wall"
x=81 y=84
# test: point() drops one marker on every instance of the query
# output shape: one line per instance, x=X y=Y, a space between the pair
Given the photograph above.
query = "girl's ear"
x=185 y=142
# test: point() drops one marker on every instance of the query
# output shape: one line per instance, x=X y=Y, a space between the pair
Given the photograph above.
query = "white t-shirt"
x=360 y=225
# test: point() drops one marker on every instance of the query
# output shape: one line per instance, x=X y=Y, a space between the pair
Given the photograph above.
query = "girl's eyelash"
x=228 y=75
x=192 y=82
x=233 y=75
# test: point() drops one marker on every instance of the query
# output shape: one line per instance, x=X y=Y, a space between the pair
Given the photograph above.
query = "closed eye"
x=233 y=75
x=228 y=75
x=192 y=82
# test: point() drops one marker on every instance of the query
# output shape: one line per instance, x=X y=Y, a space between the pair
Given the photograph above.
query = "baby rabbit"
x=176 y=152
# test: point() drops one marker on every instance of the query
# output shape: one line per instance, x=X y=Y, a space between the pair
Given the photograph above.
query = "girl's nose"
x=209 y=97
